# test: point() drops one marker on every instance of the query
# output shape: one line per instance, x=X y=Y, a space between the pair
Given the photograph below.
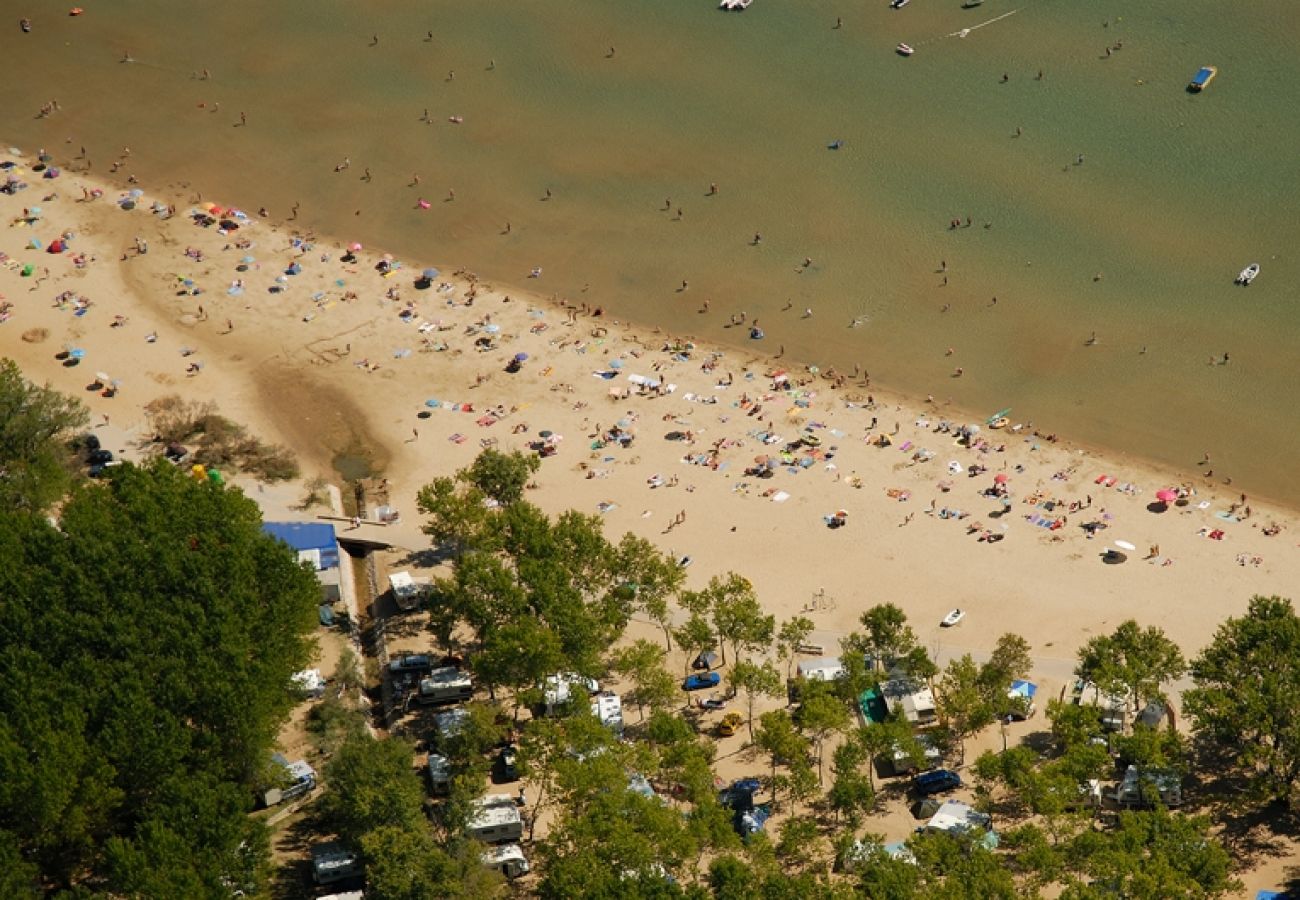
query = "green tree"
x=1151 y=855
x=695 y=635
x=781 y=741
x=1246 y=702
x=756 y=680
x=800 y=841
x=794 y=633
x=1132 y=661
x=502 y=476
x=885 y=637
x=852 y=794
x=1009 y=661
x=372 y=785
x=653 y=577
x=820 y=715
x=179 y=623
x=964 y=701
x=738 y=617
x=406 y=864
x=642 y=663
x=35 y=422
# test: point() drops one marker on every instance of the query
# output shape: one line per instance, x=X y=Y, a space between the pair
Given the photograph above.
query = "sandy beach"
x=312 y=346
x=730 y=461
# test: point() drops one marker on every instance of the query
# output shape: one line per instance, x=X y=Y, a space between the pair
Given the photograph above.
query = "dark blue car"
x=937 y=782
x=701 y=682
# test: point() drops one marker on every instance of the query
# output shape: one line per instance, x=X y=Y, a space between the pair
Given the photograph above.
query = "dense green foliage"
x=1246 y=703
x=148 y=642
x=34 y=422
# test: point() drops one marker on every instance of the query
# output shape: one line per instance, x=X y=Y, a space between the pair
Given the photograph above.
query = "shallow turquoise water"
x=1175 y=195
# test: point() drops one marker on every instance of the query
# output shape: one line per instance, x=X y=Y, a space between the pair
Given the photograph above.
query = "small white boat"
x=953 y=618
x=736 y=5
x=1247 y=274
x=904 y=50
x=898 y=4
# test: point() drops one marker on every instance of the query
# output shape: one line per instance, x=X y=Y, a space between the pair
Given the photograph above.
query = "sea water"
x=1123 y=208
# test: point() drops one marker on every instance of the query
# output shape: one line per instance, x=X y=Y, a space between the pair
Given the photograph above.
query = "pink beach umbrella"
x=354 y=246
x=422 y=203
x=1000 y=478
x=1167 y=495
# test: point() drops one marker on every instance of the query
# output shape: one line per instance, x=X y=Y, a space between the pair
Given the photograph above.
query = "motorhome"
x=495 y=819
x=445 y=685
x=508 y=859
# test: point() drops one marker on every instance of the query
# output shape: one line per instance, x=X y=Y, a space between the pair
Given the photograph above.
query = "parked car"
x=730 y=724
x=508 y=760
x=702 y=681
x=99 y=457
x=739 y=795
x=937 y=782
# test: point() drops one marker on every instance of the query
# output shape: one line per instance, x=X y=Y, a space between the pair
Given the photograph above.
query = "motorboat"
x=1247 y=275
x=904 y=50
x=736 y=5
x=898 y=4
x=1201 y=80
x=971 y=4
x=835 y=145
x=953 y=618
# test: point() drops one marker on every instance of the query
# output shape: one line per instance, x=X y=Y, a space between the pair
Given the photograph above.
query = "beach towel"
x=456 y=438
x=907 y=445
x=780 y=497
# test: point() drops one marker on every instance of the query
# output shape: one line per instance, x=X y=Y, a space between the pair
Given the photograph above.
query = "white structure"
x=439 y=774
x=445 y=685
x=508 y=859
x=451 y=722
x=310 y=682
x=495 y=819
x=333 y=862
x=1140 y=788
x=826 y=668
x=956 y=817
x=608 y=707
x=557 y=690
x=406 y=591
x=915 y=699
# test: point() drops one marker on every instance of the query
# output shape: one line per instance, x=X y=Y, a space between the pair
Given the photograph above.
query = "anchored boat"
x=1201 y=80
x=1247 y=274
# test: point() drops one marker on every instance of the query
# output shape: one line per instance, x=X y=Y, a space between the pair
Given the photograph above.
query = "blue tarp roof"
x=301 y=536
x=1024 y=688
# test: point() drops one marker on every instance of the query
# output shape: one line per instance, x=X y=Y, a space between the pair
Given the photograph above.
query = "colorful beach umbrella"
x=1167 y=495
x=521 y=357
x=354 y=246
x=1000 y=478
x=429 y=274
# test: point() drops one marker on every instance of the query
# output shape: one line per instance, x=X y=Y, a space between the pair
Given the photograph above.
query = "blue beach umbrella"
x=616 y=363
x=429 y=274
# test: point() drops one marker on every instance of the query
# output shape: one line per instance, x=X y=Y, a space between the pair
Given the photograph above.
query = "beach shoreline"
x=336 y=359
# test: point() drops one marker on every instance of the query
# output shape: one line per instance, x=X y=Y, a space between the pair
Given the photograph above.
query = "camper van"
x=439 y=774
x=445 y=685
x=301 y=777
x=495 y=819
x=508 y=859
x=1143 y=787
x=558 y=690
x=608 y=707
x=332 y=862
x=827 y=668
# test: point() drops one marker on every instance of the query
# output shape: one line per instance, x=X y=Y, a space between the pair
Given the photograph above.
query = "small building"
x=445 y=685
x=439 y=768
x=915 y=700
x=955 y=817
x=608 y=707
x=508 y=859
x=332 y=862
x=495 y=820
x=317 y=544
